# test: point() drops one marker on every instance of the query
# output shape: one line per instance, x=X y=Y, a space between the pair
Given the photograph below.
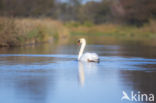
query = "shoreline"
x=30 y=31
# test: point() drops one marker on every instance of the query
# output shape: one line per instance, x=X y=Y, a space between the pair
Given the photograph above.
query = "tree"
x=26 y=7
x=134 y=11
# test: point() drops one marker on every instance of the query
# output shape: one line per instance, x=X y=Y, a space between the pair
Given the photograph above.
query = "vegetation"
x=116 y=30
x=17 y=32
x=134 y=12
x=33 y=21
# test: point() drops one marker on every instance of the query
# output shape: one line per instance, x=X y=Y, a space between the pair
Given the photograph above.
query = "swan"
x=87 y=57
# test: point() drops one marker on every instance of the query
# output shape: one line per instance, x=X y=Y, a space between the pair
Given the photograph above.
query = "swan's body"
x=87 y=57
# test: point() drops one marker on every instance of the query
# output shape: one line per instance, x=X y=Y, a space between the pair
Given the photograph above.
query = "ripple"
x=62 y=61
x=38 y=55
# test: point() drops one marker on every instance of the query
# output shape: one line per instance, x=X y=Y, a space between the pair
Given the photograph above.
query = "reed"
x=117 y=30
x=22 y=31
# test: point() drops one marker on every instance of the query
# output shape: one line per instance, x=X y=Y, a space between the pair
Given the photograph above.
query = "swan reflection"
x=85 y=70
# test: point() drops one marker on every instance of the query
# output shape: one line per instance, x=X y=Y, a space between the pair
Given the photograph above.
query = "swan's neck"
x=81 y=50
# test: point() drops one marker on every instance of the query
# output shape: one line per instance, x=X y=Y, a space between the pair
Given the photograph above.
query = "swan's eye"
x=78 y=41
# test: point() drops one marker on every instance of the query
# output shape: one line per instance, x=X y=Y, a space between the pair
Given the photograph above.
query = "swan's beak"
x=78 y=42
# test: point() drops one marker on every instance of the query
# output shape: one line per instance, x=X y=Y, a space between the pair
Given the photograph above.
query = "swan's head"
x=81 y=41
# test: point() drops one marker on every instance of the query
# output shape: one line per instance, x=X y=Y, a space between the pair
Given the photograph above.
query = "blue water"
x=55 y=75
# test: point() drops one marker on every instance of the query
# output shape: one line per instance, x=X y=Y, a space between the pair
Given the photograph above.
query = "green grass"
x=119 y=31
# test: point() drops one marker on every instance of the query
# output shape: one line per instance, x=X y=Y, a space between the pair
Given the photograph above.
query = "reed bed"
x=23 y=31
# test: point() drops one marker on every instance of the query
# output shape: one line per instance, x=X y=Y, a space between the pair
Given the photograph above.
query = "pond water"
x=51 y=74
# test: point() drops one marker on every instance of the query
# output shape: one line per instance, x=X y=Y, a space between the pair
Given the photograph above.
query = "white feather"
x=87 y=57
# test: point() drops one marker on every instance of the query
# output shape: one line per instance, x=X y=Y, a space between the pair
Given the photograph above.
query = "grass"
x=146 y=31
x=22 y=31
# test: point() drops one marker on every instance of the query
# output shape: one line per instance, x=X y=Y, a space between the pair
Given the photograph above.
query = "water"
x=51 y=73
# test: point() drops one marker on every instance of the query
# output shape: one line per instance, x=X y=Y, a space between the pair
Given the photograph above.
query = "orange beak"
x=78 y=42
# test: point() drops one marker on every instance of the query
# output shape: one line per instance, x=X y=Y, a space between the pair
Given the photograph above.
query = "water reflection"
x=31 y=86
x=81 y=73
x=33 y=89
x=88 y=68
x=142 y=81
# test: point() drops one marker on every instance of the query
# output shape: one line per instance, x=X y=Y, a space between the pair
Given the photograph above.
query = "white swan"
x=87 y=57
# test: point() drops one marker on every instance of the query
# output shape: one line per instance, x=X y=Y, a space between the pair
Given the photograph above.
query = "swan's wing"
x=94 y=58
x=90 y=57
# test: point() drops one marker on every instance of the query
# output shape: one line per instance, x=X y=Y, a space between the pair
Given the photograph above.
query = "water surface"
x=51 y=74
